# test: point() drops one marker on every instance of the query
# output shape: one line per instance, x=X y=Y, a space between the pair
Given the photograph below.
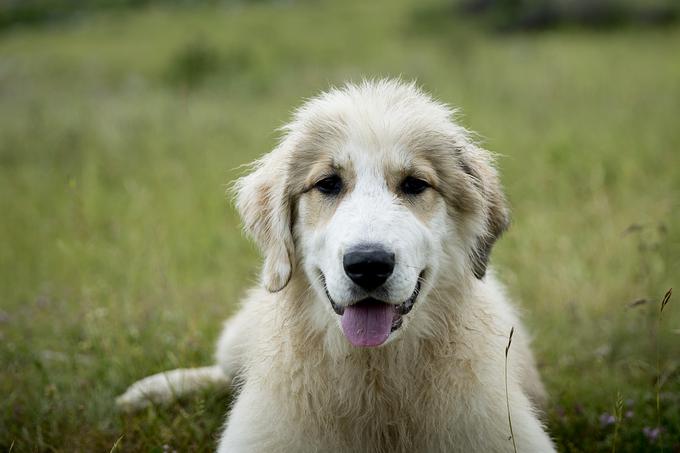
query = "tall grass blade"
x=666 y=299
x=507 y=397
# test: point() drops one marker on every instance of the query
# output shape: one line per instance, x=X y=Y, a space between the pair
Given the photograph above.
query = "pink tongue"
x=368 y=323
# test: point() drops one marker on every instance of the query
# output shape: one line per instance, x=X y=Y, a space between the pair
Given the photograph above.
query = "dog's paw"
x=133 y=400
x=156 y=389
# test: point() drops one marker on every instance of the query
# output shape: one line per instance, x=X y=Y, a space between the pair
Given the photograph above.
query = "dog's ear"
x=265 y=207
x=478 y=166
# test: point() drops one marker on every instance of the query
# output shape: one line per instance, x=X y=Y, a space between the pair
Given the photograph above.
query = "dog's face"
x=370 y=226
x=373 y=196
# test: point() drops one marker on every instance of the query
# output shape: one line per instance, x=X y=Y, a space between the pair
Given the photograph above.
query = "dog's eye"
x=331 y=185
x=413 y=186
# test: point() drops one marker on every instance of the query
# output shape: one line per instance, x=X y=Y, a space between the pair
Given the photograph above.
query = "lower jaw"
x=399 y=311
x=396 y=324
x=370 y=322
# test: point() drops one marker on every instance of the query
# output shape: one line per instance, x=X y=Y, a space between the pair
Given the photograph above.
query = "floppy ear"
x=264 y=205
x=478 y=165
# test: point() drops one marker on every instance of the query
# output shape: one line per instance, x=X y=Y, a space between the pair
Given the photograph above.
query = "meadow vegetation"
x=120 y=131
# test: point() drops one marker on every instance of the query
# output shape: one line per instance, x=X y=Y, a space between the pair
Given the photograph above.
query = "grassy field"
x=120 y=254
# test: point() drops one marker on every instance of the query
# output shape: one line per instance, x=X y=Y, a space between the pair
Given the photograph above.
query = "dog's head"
x=373 y=194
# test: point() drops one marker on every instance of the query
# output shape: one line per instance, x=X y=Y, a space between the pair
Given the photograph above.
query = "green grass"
x=120 y=255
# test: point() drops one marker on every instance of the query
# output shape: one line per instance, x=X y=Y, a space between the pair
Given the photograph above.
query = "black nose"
x=369 y=266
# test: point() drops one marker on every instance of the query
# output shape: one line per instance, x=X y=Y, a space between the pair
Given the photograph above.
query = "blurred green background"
x=123 y=122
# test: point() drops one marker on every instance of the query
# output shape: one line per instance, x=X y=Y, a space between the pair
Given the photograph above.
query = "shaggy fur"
x=437 y=384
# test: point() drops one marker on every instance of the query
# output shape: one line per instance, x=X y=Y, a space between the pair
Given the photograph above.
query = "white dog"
x=378 y=328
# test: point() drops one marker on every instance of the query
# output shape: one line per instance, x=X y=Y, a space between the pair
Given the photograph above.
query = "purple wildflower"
x=652 y=434
x=607 y=419
x=629 y=414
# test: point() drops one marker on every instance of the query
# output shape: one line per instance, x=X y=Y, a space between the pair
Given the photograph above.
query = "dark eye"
x=331 y=185
x=413 y=186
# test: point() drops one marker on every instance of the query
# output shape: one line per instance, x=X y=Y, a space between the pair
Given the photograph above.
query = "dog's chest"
x=364 y=401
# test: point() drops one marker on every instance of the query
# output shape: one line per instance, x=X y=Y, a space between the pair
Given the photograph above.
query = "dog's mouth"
x=369 y=322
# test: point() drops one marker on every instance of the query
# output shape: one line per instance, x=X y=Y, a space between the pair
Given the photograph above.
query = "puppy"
x=378 y=326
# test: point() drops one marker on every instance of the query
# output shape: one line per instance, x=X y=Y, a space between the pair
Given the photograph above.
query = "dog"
x=378 y=326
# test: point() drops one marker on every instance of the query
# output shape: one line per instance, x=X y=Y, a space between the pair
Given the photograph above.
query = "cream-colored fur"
x=437 y=385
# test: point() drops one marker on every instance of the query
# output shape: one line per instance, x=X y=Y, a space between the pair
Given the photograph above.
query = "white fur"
x=437 y=384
